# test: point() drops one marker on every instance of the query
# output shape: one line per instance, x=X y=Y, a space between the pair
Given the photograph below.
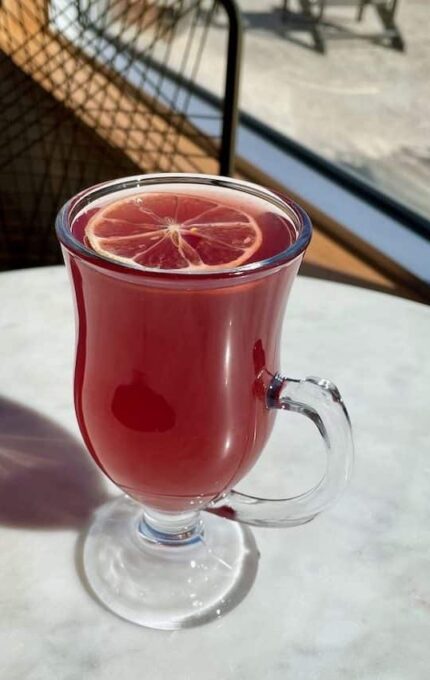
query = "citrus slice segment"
x=168 y=231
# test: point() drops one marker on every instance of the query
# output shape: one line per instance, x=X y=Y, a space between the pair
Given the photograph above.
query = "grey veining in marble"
x=346 y=596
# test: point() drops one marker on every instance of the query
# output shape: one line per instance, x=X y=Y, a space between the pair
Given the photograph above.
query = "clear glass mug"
x=177 y=384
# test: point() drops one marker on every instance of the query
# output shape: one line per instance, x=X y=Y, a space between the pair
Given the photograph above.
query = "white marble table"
x=344 y=597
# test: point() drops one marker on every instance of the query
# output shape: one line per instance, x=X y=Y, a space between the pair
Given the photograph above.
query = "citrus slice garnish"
x=168 y=231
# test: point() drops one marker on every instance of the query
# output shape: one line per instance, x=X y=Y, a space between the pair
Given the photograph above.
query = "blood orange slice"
x=167 y=231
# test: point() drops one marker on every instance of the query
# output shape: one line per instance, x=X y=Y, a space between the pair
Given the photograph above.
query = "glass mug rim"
x=74 y=205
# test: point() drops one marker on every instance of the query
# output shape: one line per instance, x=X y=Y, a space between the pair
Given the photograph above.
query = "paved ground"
x=363 y=105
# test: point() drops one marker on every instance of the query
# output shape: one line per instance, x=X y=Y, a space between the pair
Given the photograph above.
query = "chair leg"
x=361 y=8
x=320 y=10
x=387 y=16
x=314 y=23
x=318 y=40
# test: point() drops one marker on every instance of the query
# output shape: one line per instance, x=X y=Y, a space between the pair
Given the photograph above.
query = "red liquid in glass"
x=170 y=375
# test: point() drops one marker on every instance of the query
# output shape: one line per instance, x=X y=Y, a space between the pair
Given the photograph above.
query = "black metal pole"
x=231 y=91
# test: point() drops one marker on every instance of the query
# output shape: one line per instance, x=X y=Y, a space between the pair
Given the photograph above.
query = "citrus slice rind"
x=179 y=232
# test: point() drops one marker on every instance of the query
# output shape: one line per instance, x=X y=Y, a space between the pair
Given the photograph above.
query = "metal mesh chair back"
x=93 y=90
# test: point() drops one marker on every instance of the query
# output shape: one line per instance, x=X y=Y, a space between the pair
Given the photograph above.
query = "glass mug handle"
x=320 y=401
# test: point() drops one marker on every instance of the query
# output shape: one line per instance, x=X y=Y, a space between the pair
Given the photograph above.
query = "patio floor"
x=363 y=105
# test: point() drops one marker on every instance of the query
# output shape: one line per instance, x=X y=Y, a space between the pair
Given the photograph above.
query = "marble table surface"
x=346 y=596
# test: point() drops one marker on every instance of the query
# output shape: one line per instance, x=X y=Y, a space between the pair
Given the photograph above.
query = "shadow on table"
x=47 y=479
x=316 y=271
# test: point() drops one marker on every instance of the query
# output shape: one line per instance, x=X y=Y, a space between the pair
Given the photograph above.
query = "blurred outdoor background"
x=325 y=100
x=362 y=103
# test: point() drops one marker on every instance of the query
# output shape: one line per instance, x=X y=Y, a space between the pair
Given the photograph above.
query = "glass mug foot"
x=167 y=581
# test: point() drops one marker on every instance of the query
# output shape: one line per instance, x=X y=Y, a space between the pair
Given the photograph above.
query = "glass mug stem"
x=320 y=401
x=170 y=528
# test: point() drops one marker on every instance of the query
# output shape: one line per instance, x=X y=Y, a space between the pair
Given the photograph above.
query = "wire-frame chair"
x=92 y=90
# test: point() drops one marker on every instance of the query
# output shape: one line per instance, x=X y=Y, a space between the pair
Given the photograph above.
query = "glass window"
x=344 y=88
x=346 y=79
